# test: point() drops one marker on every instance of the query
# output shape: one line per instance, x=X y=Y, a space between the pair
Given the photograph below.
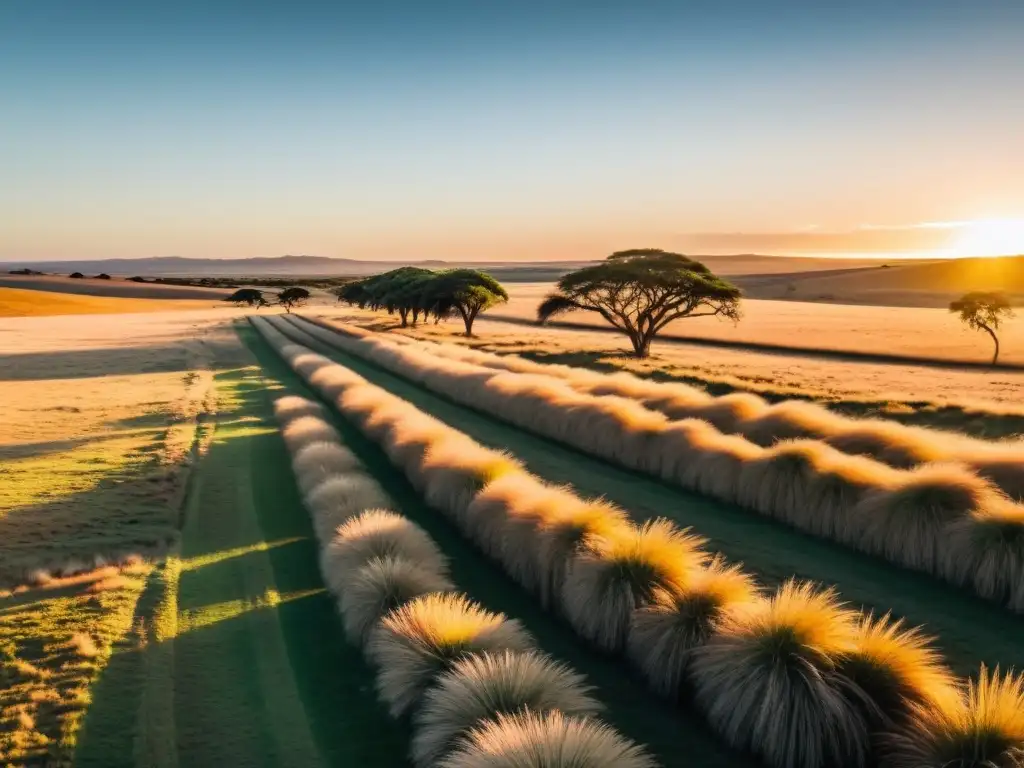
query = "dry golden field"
x=917 y=331
x=98 y=430
x=20 y=302
x=883 y=384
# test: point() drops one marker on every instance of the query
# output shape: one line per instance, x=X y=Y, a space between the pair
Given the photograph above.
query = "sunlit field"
x=438 y=551
x=890 y=330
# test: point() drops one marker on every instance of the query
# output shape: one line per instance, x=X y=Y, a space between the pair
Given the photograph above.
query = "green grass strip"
x=673 y=736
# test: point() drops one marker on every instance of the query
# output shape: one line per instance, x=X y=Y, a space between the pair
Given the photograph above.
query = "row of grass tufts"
x=765 y=423
x=478 y=691
x=792 y=676
x=942 y=519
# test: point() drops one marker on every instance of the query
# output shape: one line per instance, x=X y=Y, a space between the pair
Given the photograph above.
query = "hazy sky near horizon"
x=489 y=130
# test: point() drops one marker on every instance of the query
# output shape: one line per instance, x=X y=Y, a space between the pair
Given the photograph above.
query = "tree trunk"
x=467 y=318
x=288 y=309
x=995 y=340
x=415 y=316
x=404 y=314
x=641 y=343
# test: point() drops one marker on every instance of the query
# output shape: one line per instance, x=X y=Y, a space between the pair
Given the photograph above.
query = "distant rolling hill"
x=904 y=284
x=289 y=266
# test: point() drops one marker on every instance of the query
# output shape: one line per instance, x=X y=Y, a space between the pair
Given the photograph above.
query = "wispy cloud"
x=916 y=225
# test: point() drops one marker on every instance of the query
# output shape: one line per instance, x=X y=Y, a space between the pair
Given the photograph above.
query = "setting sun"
x=991 y=237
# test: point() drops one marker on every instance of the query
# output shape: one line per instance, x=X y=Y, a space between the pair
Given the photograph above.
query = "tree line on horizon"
x=415 y=292
x=637 y=291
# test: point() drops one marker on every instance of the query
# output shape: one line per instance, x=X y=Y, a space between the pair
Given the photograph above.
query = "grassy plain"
x=21 y=302
x=676 y=740
x=899 y=330
x=969 y=630
x=973 y=401
x=96 y=442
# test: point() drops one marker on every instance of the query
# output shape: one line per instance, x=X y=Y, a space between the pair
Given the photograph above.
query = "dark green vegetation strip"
x=675 y=737
x=257 y=671
x=263 y=673
x=968 y=630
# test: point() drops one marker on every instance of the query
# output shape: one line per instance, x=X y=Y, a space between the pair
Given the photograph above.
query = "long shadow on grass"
x=87 y=363
x=969 y=630
x=248 y=575
x=677 y=739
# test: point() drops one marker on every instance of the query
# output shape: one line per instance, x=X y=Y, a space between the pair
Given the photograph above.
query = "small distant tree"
x=292 y=297
x=102 y=276
x=467 y=292
x=983 y=312
x=641 y=291
x=77 y=275
x=248 y=296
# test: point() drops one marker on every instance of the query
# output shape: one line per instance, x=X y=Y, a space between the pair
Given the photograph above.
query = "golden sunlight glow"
x=991 y=237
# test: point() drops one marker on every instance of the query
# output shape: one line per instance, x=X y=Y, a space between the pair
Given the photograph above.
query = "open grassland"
x=182 y=586
x=911 y=331
x=627 y=705
x=468 y=675
x=953 y=521
x=588 y=562
x=980 y=403
x=94 y=462
x=226 y=650
x=763 y=422
x=969 y=630
x=117 y=287
x=18 y=302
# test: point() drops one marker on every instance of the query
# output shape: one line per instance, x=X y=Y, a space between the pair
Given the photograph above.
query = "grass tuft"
x=531 y=740
x=891 y=669
x=616 y=574
x=984 y=728
x=664 y=634
x=378 y=587
x=768 y=683
x=421 y=639
x=483 y=686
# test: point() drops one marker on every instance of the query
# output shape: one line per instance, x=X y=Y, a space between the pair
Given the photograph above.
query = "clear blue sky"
x=503 y=130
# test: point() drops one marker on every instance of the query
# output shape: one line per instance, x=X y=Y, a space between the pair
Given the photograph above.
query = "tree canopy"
x=983 y=312
x=248 y=296
x=640 y=291
x=412 y=292
x=292 y=297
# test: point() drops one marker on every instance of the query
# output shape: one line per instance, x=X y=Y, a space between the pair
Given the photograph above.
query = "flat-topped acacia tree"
x=467 y=292
x=249 y=296
x=642 y=290
x=413 y=292
x=292 y=297
x=983 y=312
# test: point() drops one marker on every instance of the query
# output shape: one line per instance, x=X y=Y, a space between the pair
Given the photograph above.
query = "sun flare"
x=991 y=237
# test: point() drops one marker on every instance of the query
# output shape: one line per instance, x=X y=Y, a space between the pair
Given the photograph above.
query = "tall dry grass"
x=418 y=641
x=793 y=675
x=528 y=740
x=768 y=680
x=480 y=687
x=766 y=423
x=391 y=584
x=614 y=576
x=665 y=633
x=981 y=728
x=932 y=517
